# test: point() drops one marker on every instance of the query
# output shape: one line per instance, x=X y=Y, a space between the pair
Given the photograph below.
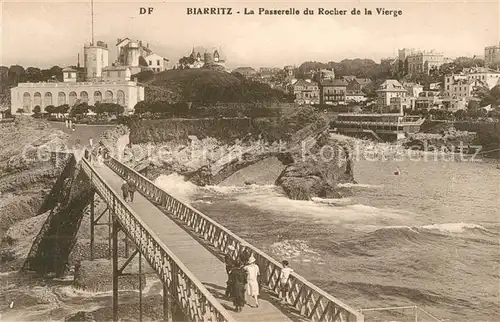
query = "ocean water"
x=428 y=237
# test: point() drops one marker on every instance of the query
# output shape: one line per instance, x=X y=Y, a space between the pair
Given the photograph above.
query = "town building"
x=306 y=92
x=245 y=71
x=492 y=56
x=129 y=52
x=424 y=61
x=413 y=89
x=389 y=89
x=428 y=100
x=157 y=63
x=459 y=89
x=202 y=56
x=463 y=84
x=489 y=77
x=96 y=57
x=289 y=70
x=73 y=75
x=320 y=75
x=399 y=105
x=333 y=91
x=381 y=127
x=98 y=82
x=354 y=89
x=138 y=57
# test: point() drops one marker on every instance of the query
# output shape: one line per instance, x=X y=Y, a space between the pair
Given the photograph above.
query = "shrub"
x=51 y=109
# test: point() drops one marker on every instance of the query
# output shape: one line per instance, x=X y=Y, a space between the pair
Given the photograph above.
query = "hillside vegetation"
x=207 y=87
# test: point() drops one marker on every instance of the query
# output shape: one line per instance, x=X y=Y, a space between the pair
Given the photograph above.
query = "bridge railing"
x=308 y=300
x=193 y=298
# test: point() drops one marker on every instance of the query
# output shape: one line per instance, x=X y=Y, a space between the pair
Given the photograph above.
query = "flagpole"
x=92 y=14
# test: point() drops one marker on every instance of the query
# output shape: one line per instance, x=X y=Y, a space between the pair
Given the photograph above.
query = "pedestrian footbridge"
x=185 y=248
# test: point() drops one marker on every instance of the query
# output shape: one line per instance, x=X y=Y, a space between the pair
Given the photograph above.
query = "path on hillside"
x=82 y=133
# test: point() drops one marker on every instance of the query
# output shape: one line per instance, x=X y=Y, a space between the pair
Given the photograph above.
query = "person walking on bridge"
x=237 y=281
x=125 y=190
x=131 y=190
x=230 y=264
x=283 y=284
x=253 y=273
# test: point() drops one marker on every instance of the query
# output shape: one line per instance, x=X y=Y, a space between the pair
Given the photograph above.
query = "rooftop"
x=334 y=82
x=391 y=85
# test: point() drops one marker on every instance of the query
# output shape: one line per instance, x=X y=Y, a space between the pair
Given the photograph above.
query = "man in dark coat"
x=230 y=264
x=125 y=190
x=237 y=281
x=131 y=190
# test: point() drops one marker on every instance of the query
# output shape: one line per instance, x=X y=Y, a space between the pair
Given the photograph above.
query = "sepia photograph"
x=322 y=161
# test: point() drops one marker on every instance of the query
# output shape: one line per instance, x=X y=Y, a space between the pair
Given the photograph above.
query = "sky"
x=46 y=33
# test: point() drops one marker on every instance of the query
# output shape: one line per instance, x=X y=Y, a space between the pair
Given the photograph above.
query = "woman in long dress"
x=253 y=273
x=237 y=282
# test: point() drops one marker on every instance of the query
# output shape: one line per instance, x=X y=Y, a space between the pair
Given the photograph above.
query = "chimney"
x=147 y=45
x=78 y=65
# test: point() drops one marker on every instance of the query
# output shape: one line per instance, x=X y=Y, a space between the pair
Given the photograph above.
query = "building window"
x=108 y=73
x=119 y=73
x=150 y=63
x=158 y=62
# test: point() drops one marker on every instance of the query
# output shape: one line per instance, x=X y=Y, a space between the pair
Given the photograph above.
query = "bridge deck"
x=209 y=269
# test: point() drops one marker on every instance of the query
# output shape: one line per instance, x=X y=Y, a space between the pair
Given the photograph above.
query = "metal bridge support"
x=116 y=227
x=118 y=271
x=94 y=221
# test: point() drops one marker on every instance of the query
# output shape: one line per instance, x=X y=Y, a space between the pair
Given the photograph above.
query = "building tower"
x=132 y=52
x=95 y=59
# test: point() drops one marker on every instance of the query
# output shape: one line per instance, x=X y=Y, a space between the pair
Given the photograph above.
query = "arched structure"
x=108 y=97
x=84 y=97
x=120 y=98
x=61 y=98
x=72 y=98
x=37 y=99
x=27 y=95
x=47 y=99
x=97 y=97
x=27 y=102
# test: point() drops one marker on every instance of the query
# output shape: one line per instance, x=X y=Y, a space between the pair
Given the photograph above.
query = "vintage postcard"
x=250 y=160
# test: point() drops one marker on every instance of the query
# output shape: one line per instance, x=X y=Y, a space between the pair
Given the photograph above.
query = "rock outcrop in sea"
x=316 y=170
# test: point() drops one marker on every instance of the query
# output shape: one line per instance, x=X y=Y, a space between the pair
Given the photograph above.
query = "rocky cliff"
x=26 y=177
x=26 y=173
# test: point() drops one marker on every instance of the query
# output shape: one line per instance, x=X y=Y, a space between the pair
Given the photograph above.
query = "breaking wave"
x=458 y=228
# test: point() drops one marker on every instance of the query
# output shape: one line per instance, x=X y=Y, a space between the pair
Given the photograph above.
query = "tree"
x=4 y=76
x=33 y=74
x=460 y=115
x=37 y=111
x=79 y=109
x=142 y=107
x=488 y=96
x=111 y=108
x=185 y=61
x=17 y=74
x=56 y=72
x=45 y=75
